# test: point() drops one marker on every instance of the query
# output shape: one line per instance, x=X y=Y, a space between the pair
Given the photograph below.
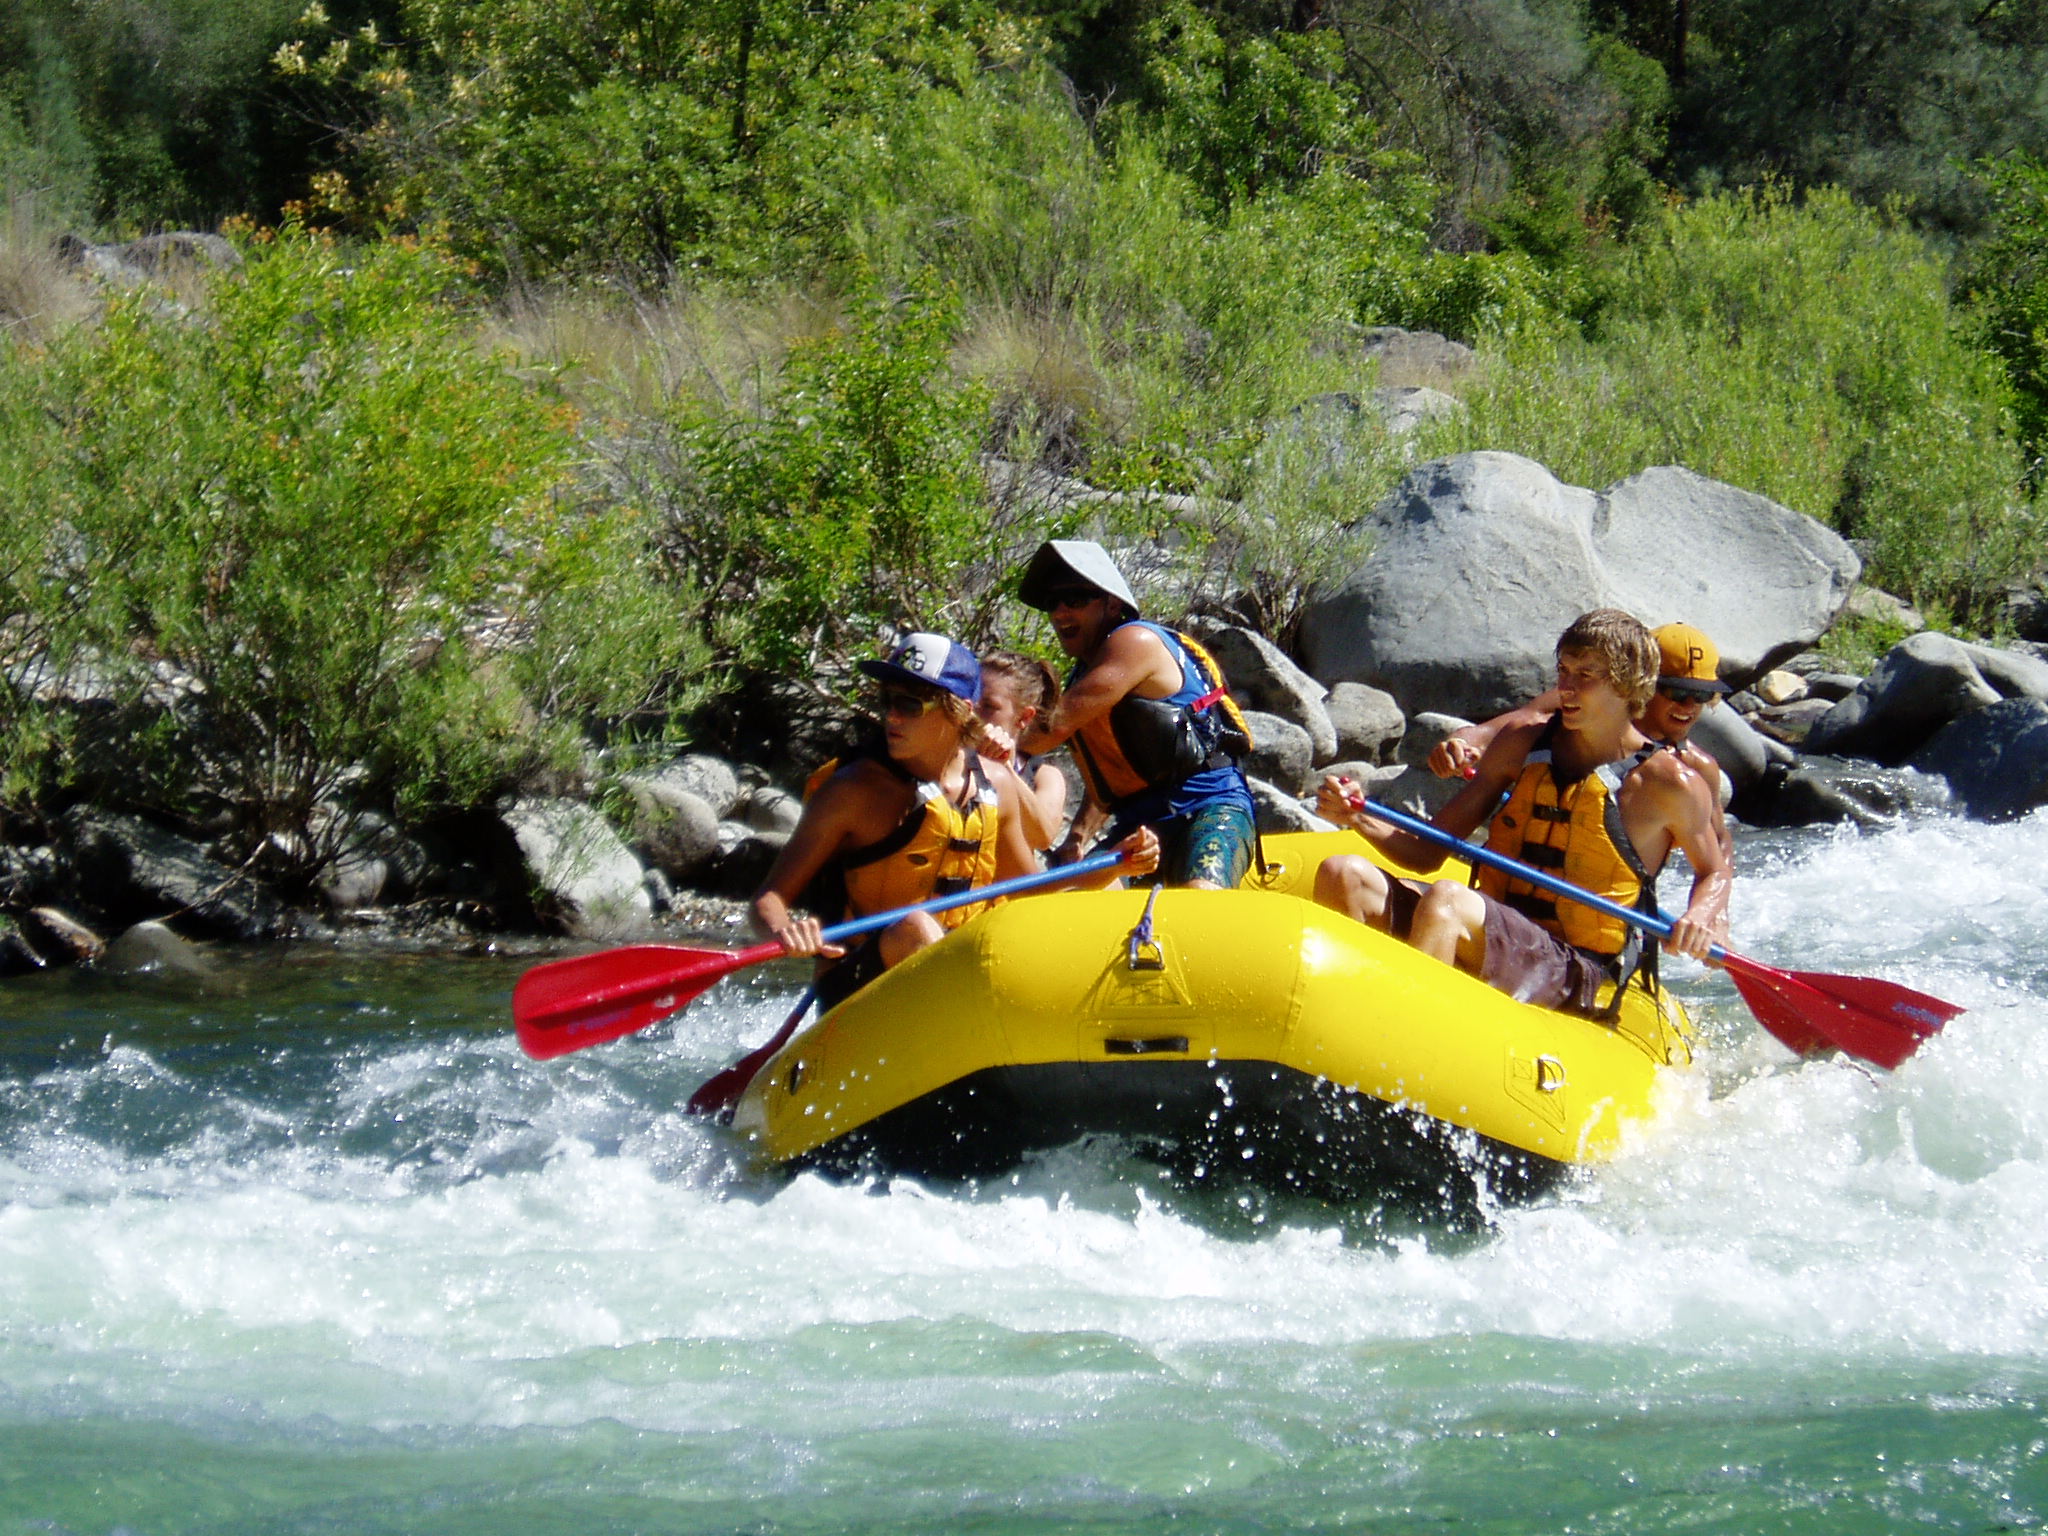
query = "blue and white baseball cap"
x=933 y=659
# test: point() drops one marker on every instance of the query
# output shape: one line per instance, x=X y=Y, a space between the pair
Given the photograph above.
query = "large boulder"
x=1367 y=721
x=133 y=869
x=710 y=779
x=1264 y=677
x=1995 y=759
x=1278 y=811
x=582 y=877
x=1919 y=686
x=675 y=827
x=1731 y=741
x=1480 y=560
x=1281 y=754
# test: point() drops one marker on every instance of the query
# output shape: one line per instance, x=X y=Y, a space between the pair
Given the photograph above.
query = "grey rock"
x=356 y=879
x=583 y=879
x=2025 y=610
x=676 y=827
x=1480 y=560
x=132 y=867
x=1822 y=791
x=1921 y=684
x=1417 y=791
x=1834 y=686
x=1263 y=677
x=1367 y=721
x=1995 y=759
x=772 y=809
x=1425 y=733
x=743 y=861
x=1416 y=357
x=153 y=947
x=1790 y=723
x=1730 y=741
x=1406 y=407
x=1281 y=752
x=1879 y=606
x=1278 y=811
x=710 y=779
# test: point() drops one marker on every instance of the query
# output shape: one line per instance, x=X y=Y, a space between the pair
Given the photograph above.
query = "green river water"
x=309 y=1246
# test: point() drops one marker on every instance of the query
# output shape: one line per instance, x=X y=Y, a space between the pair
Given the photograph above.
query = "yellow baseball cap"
x=1686 y=655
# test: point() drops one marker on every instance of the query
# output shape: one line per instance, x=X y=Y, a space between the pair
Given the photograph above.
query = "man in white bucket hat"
x=1149 y=717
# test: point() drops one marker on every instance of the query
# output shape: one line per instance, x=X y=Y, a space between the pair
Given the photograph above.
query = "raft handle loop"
x=1142 y=951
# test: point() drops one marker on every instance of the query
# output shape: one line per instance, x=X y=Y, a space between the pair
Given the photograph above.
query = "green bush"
x=2007 y=282
x=311 y=532
x=1803 y=350
x=845 y=504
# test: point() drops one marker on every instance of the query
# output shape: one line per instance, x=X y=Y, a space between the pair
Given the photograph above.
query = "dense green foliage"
x=287 y=542
x=1802 y=350
x=2009 y=276
x=836 y=290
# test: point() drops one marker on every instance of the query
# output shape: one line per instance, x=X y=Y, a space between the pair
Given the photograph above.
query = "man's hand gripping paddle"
x=565 y=1005
x=1879 y=1022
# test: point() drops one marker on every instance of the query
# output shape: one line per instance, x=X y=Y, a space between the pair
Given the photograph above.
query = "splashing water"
x=312 y=1247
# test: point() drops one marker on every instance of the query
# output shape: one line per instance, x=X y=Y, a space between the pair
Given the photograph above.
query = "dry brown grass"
x=38 y=296
x=1049 y=390
x=633 y=356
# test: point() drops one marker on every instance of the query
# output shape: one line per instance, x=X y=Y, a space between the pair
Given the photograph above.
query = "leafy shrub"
x=1803 y=350
x=312 y=531
x=2008 y=285
x=843 y=506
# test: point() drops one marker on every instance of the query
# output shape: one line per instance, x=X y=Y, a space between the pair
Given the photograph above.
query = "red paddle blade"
x=1879 y=1022
x=566 y=1005
x=720 y=1092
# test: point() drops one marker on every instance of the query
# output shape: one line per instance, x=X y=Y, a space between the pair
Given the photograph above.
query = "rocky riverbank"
x=1475 y=564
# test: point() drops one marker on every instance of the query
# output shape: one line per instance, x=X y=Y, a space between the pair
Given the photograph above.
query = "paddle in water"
x=717 y=1094
x=1876 y=1021
x=565 y=1005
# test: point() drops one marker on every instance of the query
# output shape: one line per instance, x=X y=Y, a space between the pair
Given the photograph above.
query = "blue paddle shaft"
x=1010 y=887
x=1655 y=922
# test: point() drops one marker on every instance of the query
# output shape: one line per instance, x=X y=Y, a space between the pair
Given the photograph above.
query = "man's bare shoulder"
x=1128 y=642
x=1672 y=781
x=1700 y=761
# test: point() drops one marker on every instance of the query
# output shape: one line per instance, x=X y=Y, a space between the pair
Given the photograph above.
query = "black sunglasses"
x=1688 y=693
x=1070 y=597
x=900 y=701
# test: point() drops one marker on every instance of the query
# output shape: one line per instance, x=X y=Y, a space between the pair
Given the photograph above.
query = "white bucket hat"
x=1062 y=563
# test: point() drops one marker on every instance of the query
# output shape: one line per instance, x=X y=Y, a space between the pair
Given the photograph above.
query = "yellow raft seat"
x=1256 y=1036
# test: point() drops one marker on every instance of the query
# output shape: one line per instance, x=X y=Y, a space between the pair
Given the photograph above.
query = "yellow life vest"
x=938 y=849
x=1573 y=831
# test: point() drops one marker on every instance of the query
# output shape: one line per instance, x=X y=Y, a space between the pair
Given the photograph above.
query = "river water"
x=309 y=1246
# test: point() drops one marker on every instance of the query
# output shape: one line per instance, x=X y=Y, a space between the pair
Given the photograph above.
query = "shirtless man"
x=1589 y=798
x=917 y=815
x=1688 y=685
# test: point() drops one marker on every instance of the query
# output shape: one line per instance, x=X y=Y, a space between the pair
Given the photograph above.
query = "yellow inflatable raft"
x=1255 y=1035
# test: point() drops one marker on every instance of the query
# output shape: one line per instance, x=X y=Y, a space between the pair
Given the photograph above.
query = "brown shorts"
x=1533 y=965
